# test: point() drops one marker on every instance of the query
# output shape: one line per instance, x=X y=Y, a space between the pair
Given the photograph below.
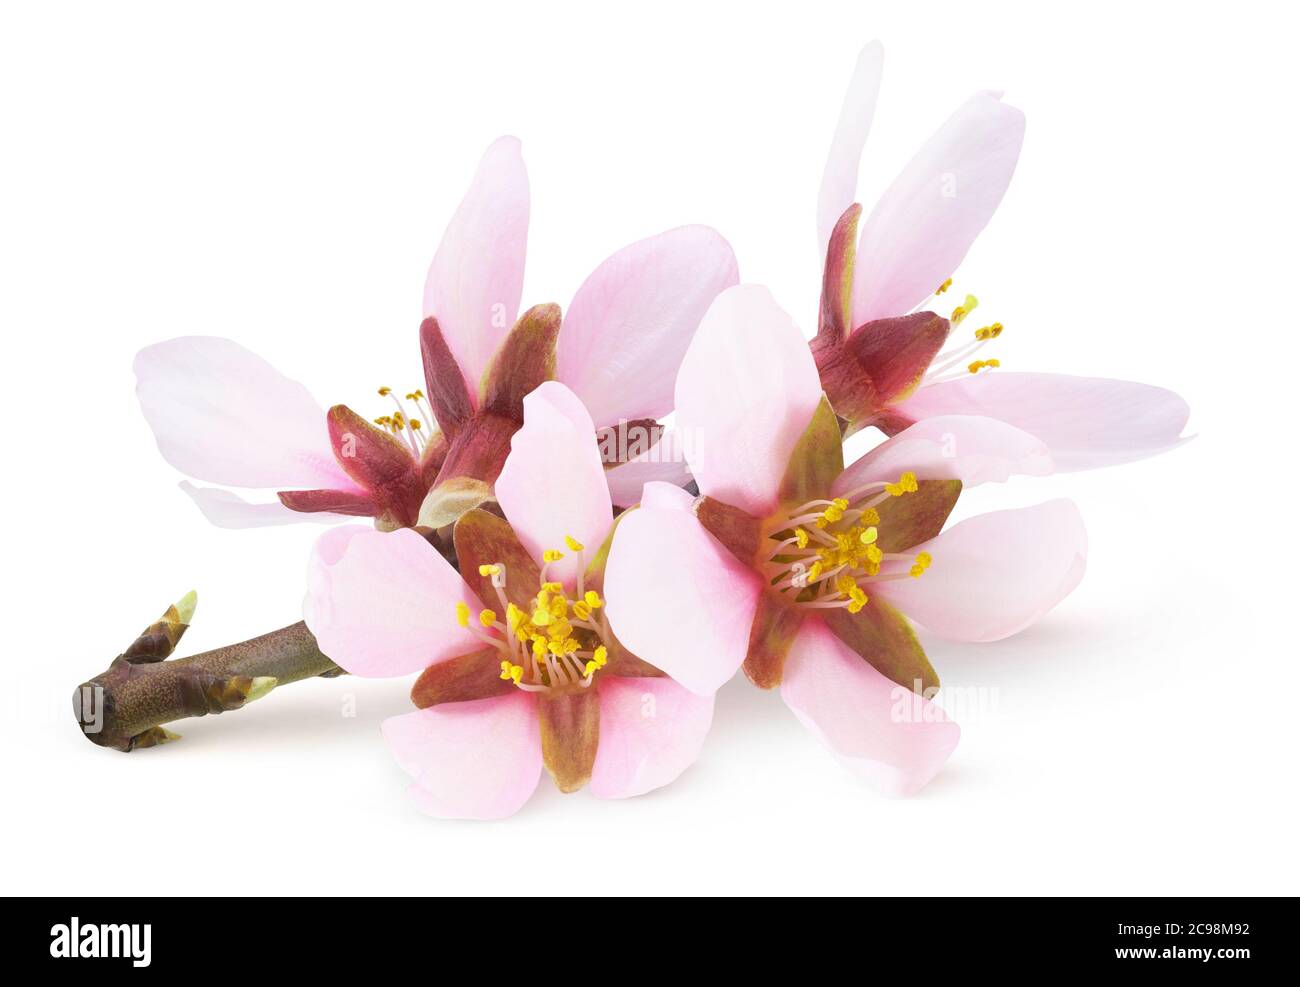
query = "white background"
x=281 y=174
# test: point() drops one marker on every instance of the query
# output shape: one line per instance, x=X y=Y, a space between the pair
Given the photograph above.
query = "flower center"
x=410 y=430
x=954 y=362
x=555 y=643
x=826 y=551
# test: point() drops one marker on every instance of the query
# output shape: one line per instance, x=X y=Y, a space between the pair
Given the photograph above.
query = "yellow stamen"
x=490 y=569
x=964 y=309
x=552 y=555
x=385 y=391
x=593 y=600
x=943 y=287
x=573 y=543
x=487 y=617
x=801 y=537
x=462 y=614
x=920 y=564
x=906 y=484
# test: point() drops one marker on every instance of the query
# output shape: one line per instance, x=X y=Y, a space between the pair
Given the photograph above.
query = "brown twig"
x=126 y=706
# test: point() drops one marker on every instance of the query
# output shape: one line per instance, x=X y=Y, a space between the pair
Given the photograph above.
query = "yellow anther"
x=415 y=424
x=559 y=607
x=874 y=554
x=385 y=391
x=487 y=617
x=592 y=599
x=581 y=610
x=552 y=588
x=964 y=309
x=399 y=420
x=552 y=555
x=514 y=616
x=920 y=564
x=943 y=287
x=573 y=543
x=906 y=484
x=992 y=363
x=589 y=669
x=539 y=646
x=834 y=512
x=801 y=537
x=857 y=600
x=979 y=365
x=869 y=536
x=989 y=332
x=845 y=584
x=462 y=614
x=600 y=656
x=489 y=569
x=870 y=516
x=511 y=672
x=815 y=571
x=505 y=671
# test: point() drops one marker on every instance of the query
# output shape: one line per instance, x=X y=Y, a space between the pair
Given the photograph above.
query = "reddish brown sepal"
x=570 y=723
x=837 y=277
x=448 y=399
x=817 y=458
x=738 y=531
x=485 y=539
x=525 y=360
x=461 y=679
x=916 y=517
x=895 y=353
x=333 y=501
x=776 y=622
x=885 y=639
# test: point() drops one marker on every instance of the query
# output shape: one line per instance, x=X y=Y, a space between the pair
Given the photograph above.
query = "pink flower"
x=801 y=571
x=882 y=357
x=538 y=679
x=222 y=414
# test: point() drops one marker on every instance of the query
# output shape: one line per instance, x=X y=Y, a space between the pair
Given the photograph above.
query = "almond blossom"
x=805 y=573
x=886 y=360
x=224 y=415
x=519 y=667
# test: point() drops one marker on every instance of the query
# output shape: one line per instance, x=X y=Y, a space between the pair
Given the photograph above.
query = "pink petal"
x=651 y=730
x=746 y=392
x=553 y=485
x=228 y=510
x=952 y=447
x=677 y=598
x=665 y=462
x=1086 y=422
x=477 y=275
x=884 y=733
x=928 y=218
x=630 y=323
x=995 y=574
x=667 y=496
x=840 y=179
x=384 y=604
x=223 y=414
x=473 y=760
